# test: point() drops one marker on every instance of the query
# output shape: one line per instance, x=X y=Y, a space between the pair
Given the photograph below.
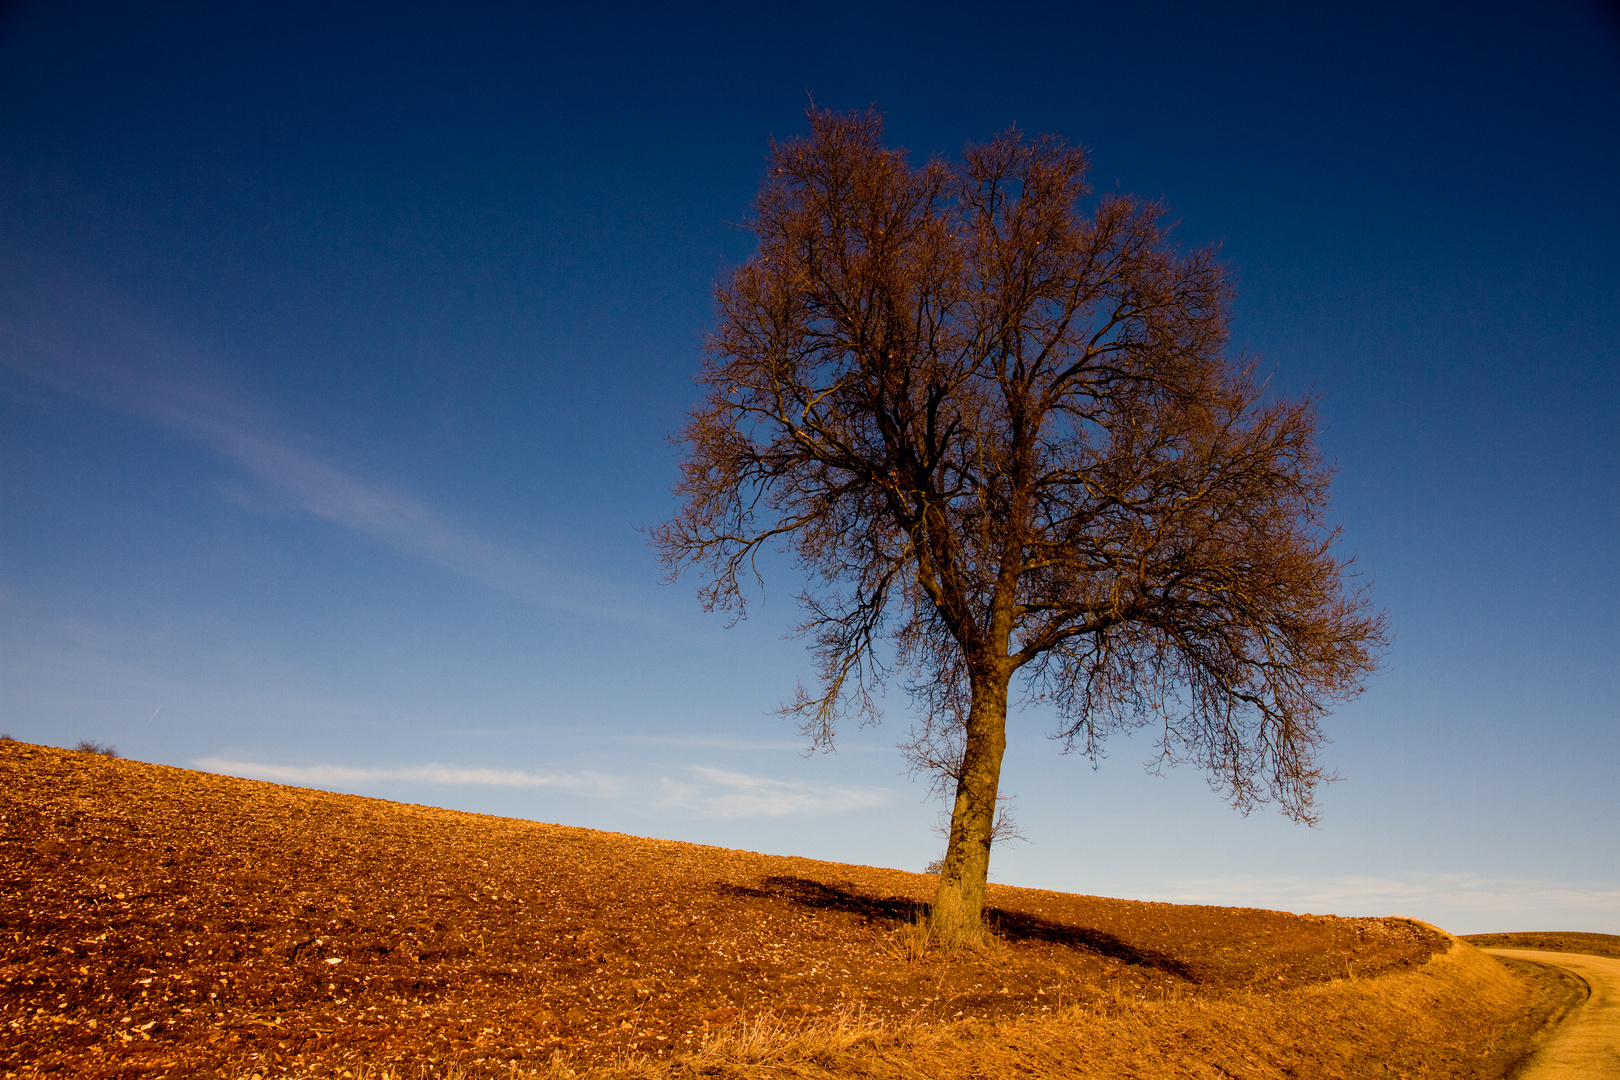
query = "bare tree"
x=1001 y=437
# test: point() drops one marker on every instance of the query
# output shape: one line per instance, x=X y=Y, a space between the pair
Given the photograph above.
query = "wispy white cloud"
x=697 y=741
x=584 y=783
x=1453 y=899
x=722 y=793
x=388 y=516
x=705 y=792
x=704 y=742
x=78 y=348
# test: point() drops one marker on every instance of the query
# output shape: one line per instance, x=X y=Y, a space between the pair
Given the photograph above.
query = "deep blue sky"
x=340 y=345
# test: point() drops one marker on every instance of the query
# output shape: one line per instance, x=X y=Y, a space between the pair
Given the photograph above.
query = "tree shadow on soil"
x=1011 y=926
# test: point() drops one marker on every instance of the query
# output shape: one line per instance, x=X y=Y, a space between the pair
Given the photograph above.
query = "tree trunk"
x=959 y=905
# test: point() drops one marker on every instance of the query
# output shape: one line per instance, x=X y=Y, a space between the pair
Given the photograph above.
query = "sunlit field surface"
x=158 y=921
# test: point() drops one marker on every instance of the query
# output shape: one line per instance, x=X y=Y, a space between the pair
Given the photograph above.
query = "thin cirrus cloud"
x=721 y=793
x=586 y=783
x=1469 y=896
x=708 y=792
x=78 y=349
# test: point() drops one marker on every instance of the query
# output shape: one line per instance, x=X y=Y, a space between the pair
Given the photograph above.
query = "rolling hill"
x=162 y=922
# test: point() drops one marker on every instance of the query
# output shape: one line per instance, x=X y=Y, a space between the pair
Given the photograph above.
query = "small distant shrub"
x=935 y=867
x=104 y=749
x=7 y=738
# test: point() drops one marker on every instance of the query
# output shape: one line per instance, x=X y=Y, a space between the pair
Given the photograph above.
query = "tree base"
x=956 y=924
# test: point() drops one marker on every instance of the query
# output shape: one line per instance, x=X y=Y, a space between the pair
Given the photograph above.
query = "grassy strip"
x=1462 y=1015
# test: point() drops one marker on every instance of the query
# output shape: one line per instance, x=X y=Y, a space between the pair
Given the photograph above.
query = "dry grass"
x=911 y=939
x=1461 y=1015
x=162 y=922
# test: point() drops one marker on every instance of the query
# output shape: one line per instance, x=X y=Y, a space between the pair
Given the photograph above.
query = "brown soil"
x=1552 y=941
x=158 y=921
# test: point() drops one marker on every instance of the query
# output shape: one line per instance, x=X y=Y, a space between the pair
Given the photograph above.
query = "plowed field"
x=158 y=921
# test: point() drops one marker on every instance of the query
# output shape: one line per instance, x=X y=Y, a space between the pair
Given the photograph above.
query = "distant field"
x=1552 y=940
x=159 y=921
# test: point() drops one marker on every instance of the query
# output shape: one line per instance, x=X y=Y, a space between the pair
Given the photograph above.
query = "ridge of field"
x=1551 y=941
x=157 y=921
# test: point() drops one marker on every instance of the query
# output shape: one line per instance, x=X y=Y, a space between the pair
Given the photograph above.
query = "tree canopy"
x=1000 y=433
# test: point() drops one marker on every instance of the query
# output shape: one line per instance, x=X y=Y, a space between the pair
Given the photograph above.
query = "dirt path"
x=1586 y=1045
